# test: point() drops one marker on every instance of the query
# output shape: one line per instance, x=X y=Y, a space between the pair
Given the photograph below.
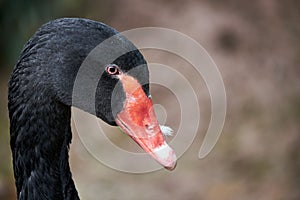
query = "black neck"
x=40 y=145
x=41 y=93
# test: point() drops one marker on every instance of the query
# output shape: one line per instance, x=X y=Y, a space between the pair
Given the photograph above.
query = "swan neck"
x=40 y=138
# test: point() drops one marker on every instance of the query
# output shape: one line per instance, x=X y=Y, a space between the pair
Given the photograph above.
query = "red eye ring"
x=112 y=69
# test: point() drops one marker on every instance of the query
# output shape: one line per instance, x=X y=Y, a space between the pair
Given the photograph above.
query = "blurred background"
x=256 y=46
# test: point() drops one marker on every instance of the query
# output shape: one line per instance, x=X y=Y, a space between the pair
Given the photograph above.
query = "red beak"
x=138 y=120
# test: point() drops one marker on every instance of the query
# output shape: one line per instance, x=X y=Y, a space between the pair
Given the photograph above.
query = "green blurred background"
x=256 y=45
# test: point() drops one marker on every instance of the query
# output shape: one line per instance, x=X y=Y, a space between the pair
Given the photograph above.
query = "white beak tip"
x=165 y=156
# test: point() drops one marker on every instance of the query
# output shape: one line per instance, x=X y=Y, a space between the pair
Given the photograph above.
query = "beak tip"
x=171 y=168
x=166 y=157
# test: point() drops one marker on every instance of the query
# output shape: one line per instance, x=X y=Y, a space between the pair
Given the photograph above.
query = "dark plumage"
x=40 y=97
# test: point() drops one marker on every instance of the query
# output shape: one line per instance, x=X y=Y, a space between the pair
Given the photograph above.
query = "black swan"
x=40 y=100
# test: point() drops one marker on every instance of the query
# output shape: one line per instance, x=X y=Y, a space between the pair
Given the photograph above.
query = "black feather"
x=40 y=97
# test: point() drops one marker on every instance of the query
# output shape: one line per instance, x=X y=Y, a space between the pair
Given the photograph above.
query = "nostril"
x=149 y=126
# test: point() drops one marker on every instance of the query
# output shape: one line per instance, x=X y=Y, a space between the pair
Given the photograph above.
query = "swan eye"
x=112 y=69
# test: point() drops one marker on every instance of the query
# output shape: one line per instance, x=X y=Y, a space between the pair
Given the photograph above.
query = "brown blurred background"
x=256 y=46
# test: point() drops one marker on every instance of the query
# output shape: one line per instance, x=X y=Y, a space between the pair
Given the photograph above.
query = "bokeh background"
x=256 y=46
